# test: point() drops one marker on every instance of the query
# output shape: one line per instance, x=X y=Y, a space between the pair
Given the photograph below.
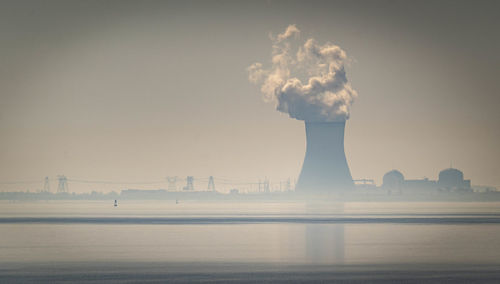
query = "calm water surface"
x=328 y=242
x=287 y=233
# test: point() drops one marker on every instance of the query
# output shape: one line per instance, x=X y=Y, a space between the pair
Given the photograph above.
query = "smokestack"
x=325 y=166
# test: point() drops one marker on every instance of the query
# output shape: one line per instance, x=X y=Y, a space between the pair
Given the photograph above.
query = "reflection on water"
x=369 y=242
x=325 y=244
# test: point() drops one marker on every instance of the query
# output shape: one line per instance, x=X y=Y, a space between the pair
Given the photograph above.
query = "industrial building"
x=450 y=180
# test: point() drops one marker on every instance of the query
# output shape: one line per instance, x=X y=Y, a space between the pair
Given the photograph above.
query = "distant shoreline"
x=354 y=196
x=439 y=219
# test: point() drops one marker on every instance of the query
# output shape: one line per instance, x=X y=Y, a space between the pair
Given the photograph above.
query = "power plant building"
x=449 y=180
x=453 y=179
x=393 y=180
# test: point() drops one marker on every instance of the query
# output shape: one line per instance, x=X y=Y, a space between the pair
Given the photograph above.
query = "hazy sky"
x=138 y=90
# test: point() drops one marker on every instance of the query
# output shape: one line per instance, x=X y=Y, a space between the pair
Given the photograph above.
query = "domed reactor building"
x=453 y=179
x=393 y=180
x=325 y=168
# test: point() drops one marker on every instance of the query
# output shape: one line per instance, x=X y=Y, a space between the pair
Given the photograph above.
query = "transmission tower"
x=264 y=185
x=189 y=183
x=211 y=184
x=46 y=185
x=172 y=183
x=62 y=186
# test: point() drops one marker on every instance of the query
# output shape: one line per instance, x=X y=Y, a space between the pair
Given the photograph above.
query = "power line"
x=113 y=182
x=170 y=182
x=21 y=182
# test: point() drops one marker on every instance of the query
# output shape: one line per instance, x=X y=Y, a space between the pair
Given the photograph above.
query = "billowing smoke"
x=306 y=81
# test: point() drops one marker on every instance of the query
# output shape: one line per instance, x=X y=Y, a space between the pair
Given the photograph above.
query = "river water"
x=38 y=239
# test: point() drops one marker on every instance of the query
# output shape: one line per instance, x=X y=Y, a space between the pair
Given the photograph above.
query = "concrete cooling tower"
x=325 y=166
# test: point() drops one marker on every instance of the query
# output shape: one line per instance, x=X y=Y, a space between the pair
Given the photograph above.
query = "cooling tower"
x=325 y=167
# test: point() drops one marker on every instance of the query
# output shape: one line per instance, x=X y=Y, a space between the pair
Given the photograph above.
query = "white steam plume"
x=309 y=84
